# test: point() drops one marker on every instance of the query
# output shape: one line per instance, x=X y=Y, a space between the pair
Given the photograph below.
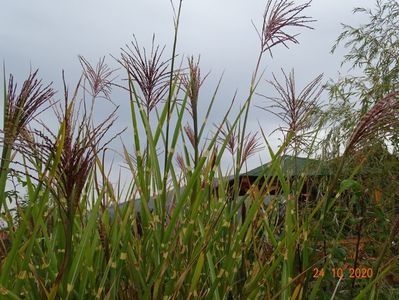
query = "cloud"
x=51 y=34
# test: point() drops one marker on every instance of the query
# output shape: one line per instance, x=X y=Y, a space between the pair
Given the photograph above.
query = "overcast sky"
x=49 y=35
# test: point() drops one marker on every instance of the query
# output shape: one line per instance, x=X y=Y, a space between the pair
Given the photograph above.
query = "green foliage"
x=187 y=229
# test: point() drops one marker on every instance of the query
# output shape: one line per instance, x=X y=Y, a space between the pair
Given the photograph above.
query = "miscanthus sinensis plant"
x=176 y=230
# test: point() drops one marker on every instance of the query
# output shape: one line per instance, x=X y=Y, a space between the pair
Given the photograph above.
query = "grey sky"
x=50 y=34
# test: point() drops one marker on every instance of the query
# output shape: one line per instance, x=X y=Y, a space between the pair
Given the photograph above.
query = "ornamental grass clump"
x=80 y=147
x=64 y=163
x=177 y=223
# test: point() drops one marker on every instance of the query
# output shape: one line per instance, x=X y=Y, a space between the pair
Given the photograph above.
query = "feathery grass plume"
x=277 y=18
x=82 y=144
x=98 y=77
x=296 y=111
x=380 y=120
x=181 y=163
x=24 y=107
x=78 y=153
x=192 y=83
x=229 y=133
x=251 y=143
x=20 y=109
x=190 y=134
x=149 y=71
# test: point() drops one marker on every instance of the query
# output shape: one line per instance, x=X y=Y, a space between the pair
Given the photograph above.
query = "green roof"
x=292 y=166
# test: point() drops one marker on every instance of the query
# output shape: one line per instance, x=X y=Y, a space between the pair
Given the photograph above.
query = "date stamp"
x=344 y=272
